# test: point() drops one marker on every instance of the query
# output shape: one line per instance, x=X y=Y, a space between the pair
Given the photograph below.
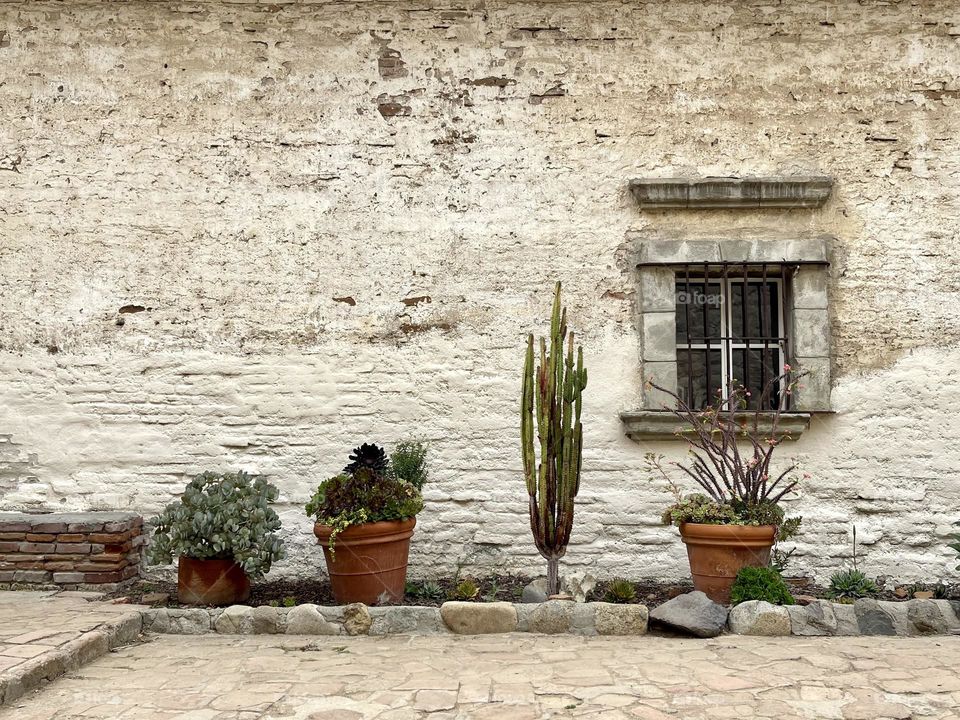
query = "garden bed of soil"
x=288 y=592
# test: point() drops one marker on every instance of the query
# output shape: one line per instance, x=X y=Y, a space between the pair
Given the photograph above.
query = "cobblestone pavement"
x=508 y=677
x=37 y=626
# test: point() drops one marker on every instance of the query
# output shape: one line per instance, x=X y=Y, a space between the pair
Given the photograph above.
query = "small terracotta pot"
x=718 y=552
x=211 y=582
x=369 y=562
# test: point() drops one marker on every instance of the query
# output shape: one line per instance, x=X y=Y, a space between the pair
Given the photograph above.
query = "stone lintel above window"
x=726 y=193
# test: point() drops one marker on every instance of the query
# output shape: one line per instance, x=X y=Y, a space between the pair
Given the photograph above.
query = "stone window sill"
x=643 y=425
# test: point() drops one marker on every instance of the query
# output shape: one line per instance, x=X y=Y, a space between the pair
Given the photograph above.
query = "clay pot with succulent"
x=737 y=519
x=365 y=518
x=224 y=532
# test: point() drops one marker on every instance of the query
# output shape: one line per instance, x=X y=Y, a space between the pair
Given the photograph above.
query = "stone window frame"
x=807 y=317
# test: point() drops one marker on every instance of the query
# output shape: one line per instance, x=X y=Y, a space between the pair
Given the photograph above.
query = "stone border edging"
x=865 y=617
x=462 y=618
x=69 y=657
x=821 y=618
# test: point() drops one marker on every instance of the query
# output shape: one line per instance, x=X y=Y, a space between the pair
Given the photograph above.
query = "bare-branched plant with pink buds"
x=731 y=450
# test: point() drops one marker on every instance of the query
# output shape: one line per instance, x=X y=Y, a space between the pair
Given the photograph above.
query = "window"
x=730 y=328
x=748 y=307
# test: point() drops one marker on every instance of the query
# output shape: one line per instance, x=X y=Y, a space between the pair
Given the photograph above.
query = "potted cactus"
x=553 y=397
x=364 y=521
x=224 y=532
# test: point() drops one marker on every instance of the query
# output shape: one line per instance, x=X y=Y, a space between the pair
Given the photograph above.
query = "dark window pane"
x=700 y=305
x=692 y=371
x=760 y=321
x=756 y=375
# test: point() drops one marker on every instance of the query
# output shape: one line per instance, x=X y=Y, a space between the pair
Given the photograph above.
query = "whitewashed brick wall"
x=254 y=235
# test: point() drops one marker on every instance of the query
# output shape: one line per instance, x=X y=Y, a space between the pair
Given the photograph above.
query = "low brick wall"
x=69 y=550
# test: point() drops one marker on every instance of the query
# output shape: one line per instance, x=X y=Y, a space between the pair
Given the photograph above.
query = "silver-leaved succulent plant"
x=221 y=516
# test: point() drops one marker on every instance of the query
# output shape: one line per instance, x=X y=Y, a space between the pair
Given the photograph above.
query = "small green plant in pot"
x=736 y=519
x=224 y=532
x=364 y=519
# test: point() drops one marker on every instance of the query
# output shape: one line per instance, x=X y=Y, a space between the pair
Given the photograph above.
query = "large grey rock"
x=235 y=620
x=873 y=618
x=610 y=619
x=307 y=620
x=552 y=617
x=758 y=617
x=926 y=618
x=817 y=618
x=356 y=619
x=406 y=620
x=692 y=613
x=535 y=592
x=466 y=618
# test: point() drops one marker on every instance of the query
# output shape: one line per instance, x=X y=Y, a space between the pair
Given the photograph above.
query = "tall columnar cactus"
x=554 y=390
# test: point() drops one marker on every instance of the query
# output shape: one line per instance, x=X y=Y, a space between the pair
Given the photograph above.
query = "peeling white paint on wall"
x=257 y=235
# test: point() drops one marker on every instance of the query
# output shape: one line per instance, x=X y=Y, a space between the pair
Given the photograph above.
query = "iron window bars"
x=732 y=326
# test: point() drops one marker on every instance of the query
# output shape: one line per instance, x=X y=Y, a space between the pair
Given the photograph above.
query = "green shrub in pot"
x=221 y=516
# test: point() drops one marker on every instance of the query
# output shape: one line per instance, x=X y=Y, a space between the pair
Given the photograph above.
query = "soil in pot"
x=368 y=563
x=718 y=552
x=211 y=582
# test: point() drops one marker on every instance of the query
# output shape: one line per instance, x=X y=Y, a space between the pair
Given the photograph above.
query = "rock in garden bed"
x=691 y=614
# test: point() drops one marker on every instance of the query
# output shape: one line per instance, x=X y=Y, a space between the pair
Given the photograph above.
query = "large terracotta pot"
x=718 y=552
x=369 y=562
x=211 y=582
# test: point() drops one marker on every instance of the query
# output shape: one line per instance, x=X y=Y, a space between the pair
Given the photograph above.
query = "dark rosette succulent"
x=368 y=457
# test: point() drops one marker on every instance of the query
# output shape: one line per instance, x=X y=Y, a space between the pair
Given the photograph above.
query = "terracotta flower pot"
x=369 y=562
x=718 y=552
x=211 y=582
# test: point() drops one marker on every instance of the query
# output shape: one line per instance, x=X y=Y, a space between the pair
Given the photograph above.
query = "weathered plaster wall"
x=257 y=234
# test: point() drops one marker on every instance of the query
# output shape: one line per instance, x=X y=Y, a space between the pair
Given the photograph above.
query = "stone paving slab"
x=508 y=677
x=45 y=634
